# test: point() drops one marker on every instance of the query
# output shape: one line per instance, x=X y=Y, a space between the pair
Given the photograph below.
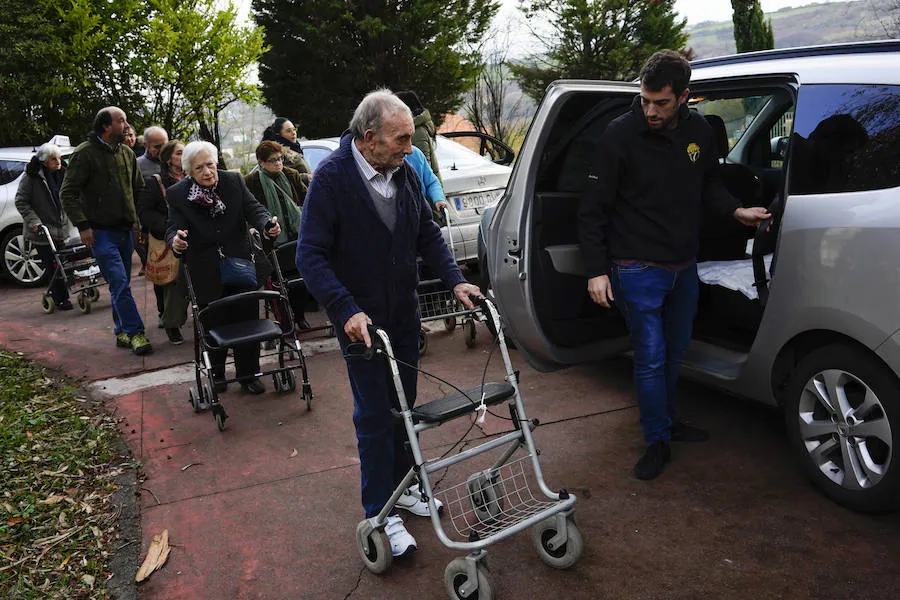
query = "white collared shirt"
x=383 y=184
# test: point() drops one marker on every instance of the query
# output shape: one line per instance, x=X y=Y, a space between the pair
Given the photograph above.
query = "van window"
x=846 y=139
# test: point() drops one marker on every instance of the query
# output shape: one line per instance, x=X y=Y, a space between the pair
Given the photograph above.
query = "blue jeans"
x=659 y=308
x=113 y=249
x=381 y=438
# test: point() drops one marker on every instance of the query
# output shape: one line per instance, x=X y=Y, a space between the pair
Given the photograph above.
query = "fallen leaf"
x=65 y=562
x=14 y=521
x=156 y=557
x=89 y=580
x=293 y=453
x=189 y=465
x=53 y=499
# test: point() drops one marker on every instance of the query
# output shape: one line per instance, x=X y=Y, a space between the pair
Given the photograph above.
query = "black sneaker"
x=174 y=335
x=682 y=432
x=653 y=461
x=253 y=386
x=64 y=304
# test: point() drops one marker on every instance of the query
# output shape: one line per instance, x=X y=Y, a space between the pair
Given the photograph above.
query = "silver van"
x=803 y=313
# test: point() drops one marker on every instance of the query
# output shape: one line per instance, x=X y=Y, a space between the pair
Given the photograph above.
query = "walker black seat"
x=455 y=405
x=245 y=332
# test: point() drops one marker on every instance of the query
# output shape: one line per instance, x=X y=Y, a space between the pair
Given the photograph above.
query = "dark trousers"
x=58 y=289
x=246 y=356
x=381 y=438
x=659 y=308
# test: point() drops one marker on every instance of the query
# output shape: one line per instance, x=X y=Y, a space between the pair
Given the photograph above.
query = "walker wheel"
x=47 y=303
x=207 y=396
x=470 y=331
x=220 y=416
x=486 y=496
x=290 y=381
x=450 y=323
x=84 y=303
x=457 y=574
x=94 y=294
x=277 y=382
x=423 y=342
x=268 y=345
x=374 y=547
x=307 y=395
x=193 y=399
x=565 y=555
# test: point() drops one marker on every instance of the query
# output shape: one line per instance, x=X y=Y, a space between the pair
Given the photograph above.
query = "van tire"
x=849 y=370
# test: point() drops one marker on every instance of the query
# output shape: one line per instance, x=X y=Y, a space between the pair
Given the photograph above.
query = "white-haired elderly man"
x=364 y=222
x=37 y=200
x=155 y=137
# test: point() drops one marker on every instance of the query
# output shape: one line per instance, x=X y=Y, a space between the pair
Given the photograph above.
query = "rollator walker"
x=489 y=505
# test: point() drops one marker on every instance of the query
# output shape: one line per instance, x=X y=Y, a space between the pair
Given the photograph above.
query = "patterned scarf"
x=207 y=197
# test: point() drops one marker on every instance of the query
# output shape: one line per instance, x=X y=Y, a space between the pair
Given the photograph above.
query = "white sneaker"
x=411 y=500
x=401 y=541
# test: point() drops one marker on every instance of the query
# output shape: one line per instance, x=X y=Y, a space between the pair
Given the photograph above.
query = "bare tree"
x=495 y=104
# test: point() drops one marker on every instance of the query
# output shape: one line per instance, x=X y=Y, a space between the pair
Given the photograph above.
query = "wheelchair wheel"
x=423 y=342
x=470 y=332
x=94 y=294
x=450 y=323
x=84 y=303
x=47 y=304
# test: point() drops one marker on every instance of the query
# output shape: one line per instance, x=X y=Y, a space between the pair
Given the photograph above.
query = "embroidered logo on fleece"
x=693 y=151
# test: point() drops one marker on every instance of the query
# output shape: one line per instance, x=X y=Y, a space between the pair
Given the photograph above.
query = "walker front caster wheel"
x=84 y=303
x=557 y=555
x=47 y=304
x=94 y=294
x=220 y=416
x=307 y=395
x=374 y=547
x=456 y=581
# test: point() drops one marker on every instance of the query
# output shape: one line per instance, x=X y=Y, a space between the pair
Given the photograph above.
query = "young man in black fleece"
x=653 y=172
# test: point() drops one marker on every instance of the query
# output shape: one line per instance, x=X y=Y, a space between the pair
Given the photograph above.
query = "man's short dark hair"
x=666 y=67
x=103 y=120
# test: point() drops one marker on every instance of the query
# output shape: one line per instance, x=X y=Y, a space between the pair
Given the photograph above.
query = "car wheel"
x=842 y=409
x=20 y=262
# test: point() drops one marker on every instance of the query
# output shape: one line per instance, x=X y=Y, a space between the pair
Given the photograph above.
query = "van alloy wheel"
x=841 y=413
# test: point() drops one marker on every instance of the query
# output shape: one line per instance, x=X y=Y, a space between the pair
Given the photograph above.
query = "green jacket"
x=423 y=139
x=101 y=185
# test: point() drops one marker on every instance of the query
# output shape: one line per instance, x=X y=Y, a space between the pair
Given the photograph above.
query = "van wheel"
x=842 y=409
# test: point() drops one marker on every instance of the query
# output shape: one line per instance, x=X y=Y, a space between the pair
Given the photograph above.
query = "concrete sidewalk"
x=732 y=518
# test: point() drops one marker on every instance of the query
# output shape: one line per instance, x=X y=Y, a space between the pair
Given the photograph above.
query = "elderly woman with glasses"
x=281 y=190
x=210 y=212
x=284 y=132
x=37 y=199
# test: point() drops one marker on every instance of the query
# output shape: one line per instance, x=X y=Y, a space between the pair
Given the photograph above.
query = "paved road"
x=731 y=518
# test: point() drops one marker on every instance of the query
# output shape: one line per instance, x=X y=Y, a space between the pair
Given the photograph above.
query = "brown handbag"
x=162 y=264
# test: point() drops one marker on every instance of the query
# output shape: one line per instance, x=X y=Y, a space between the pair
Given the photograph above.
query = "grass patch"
x=57 y=521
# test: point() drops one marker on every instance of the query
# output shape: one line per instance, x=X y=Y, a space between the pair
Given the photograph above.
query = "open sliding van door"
x=533 y=254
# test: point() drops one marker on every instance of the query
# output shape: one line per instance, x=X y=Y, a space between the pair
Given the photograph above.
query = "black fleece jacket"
x=646 y=190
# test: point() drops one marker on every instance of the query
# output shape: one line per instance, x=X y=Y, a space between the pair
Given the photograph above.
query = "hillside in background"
x=805 y=26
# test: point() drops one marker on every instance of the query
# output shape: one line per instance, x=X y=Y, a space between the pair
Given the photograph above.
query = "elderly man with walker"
x=364 y=223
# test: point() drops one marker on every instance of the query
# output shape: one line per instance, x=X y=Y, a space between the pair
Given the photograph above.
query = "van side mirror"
x=778 y=147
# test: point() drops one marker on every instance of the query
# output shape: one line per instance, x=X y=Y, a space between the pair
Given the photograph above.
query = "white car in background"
x=471 y=181
x=20 y=263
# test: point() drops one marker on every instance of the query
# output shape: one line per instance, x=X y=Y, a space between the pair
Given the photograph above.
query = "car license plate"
x=470 y=201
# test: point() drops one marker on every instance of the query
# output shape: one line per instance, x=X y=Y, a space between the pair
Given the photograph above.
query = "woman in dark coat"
x=37 y=199
x=153 y=211
x=284 y=132
x=209 y=214
x=282 y=191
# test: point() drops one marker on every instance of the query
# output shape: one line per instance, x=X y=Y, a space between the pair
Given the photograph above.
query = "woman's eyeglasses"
x=275 y=160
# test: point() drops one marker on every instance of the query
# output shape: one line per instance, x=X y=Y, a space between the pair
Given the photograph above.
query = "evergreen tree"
x=597 y=39
x=327 y=54
x=751 y=29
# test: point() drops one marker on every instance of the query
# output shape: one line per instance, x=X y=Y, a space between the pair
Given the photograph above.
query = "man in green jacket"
x=98 y=194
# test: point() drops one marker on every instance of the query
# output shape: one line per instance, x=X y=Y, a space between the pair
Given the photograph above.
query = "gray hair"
x=48 y=150
x=373 y=109
x=155 y=129
x=193 y=149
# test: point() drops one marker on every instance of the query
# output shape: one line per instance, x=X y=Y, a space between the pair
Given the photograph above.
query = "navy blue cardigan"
x=347 y=256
